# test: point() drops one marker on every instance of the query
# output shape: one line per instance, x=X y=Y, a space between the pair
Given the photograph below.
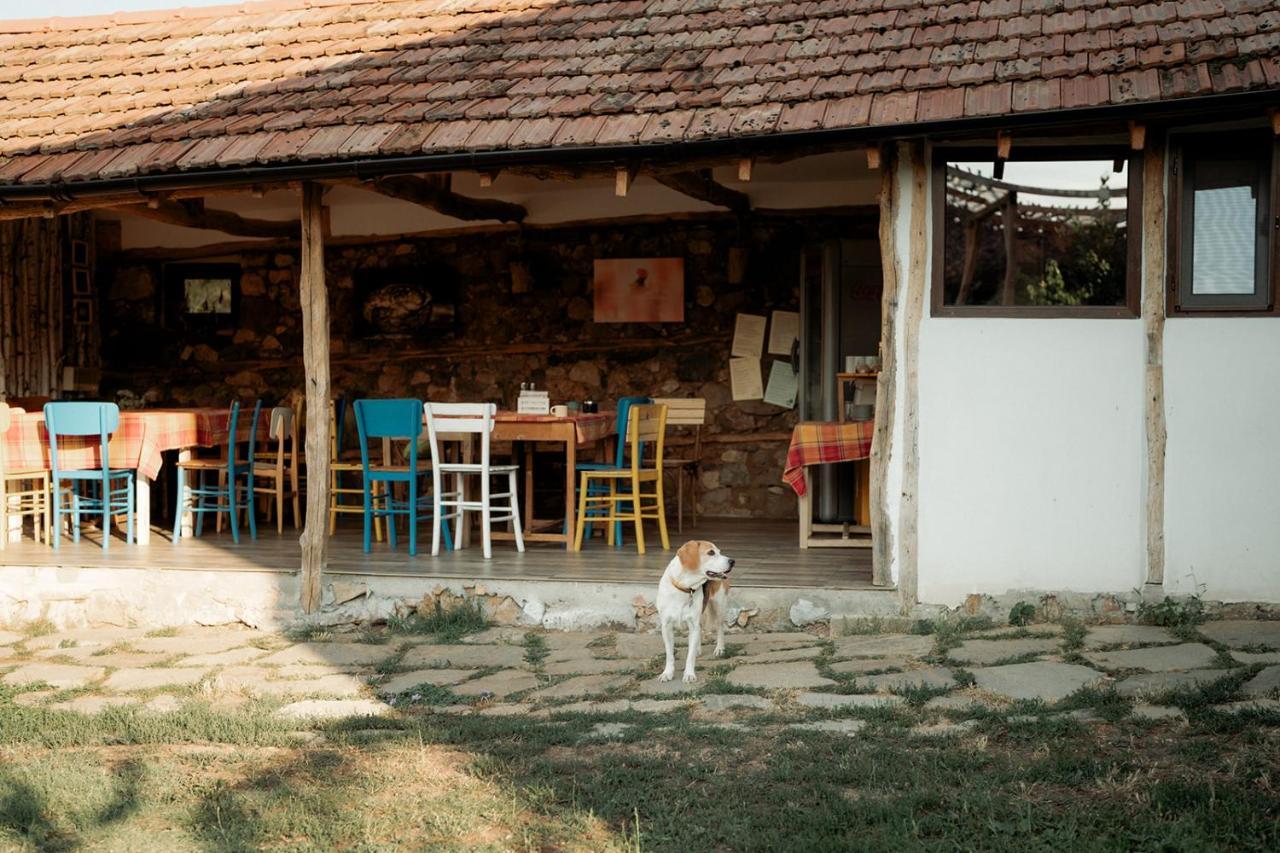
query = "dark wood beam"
x=193 y=214
x=703 y=187
x=438 y=196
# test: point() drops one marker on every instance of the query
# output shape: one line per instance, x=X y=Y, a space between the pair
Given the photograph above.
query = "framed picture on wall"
x=81 y=282
x=639 y=290
x=80 y=253
x=202 y=295
x=82 y=312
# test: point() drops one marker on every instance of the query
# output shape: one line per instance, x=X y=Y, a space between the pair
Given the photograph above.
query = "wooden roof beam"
x=438 y=196
x=703 y=187
x=193 y=214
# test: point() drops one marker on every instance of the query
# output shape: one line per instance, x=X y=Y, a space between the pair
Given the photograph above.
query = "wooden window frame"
x=1178 y=145
x=1132 y=307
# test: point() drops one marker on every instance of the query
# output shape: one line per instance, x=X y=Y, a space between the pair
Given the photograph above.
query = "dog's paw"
x=719 y=652
x=689 y=678
x=667 y=675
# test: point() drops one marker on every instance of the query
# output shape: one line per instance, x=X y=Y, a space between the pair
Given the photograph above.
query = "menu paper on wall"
x=748 y=336
x=783 y=332
x=783 y=385
x=744 y=379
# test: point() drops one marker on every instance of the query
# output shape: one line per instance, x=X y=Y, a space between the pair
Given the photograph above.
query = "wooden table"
x=573 y=432
x=823 y=443
x=138 y=444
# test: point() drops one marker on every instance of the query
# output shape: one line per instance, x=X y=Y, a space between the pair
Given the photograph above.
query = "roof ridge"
x=151 y=16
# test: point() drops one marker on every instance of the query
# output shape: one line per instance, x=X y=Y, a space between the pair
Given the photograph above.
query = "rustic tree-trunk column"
x=913 y=288
x=1153 y=263
x=315 y=361
x=886 y=390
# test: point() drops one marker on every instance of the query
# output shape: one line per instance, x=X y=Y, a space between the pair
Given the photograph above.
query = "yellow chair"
x=22 y=492
x=275 y=471
x=690 y=412
x=647 y=425
x=343 y=463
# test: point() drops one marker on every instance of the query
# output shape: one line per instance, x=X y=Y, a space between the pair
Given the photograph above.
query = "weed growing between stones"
x=447 y=624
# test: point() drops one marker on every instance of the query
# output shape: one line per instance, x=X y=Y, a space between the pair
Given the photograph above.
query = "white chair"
x=445 y=420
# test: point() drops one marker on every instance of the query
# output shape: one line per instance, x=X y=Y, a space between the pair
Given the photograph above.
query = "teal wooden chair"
x=225 y=494
x=107 y=490
x=619 y=462
x=386 y=421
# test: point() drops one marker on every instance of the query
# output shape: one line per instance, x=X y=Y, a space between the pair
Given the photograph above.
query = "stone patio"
x=808 y=682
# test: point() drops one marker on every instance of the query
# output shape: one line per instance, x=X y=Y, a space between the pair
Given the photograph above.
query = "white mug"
x=560 y=411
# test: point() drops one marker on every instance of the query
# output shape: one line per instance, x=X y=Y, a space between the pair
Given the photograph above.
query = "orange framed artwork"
x=639 y=290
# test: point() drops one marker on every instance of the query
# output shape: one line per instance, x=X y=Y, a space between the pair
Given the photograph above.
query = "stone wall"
x=499 y=338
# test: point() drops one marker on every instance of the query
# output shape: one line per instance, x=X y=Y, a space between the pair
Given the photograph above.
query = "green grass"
x=535 y=650
x=446 y=624
x=216 y=780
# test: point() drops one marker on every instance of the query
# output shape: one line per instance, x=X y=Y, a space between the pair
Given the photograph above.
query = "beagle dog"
x=694 y=589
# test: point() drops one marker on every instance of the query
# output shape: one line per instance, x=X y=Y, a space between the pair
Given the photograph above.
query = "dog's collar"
x=689 y=589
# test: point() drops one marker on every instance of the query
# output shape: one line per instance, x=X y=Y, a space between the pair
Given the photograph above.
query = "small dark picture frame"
x=202 y=295
x=82 y=312
x=80 y=253
x=81 y=282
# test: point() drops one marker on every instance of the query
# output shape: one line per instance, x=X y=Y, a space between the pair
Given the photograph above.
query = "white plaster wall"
x=1222 y=474
x=1031 y=456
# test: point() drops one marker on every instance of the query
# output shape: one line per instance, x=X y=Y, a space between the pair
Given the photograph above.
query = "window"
x=1221 y=233
x=1049 y=237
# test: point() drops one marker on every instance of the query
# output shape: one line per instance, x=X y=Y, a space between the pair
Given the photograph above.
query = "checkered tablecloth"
x=590 y=427
x=817 y=442
x=138 y=442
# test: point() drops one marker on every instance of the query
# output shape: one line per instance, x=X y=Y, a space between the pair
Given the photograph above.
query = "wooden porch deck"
x=767 y=555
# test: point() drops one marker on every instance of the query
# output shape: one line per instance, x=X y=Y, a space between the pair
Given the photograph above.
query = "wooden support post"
x=622 y=181
x=745 y=166
x=873 y=156
x=1153 y=315
x=1137 y=135
x=882 y=547
x=315 y=362
x=914 y=287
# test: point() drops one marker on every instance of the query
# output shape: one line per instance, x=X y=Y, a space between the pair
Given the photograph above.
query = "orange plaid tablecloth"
x=817 y=442
x=138 y=442
x=590 y=427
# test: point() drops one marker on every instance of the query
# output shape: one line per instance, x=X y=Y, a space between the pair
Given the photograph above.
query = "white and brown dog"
x=693 y=591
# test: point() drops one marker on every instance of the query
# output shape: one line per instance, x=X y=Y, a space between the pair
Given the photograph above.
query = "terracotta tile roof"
x=321 y=80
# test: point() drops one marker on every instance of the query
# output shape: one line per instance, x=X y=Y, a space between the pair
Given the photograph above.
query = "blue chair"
x=599 y=488
x=227 y=495
x=393 y=420
x=81 y=419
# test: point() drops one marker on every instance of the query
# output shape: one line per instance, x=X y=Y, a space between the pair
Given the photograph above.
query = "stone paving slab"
x=1047 y=681
x=848 y=700
x=1143 y=711
x=609 y=731
x=987 y=652
x=500 y=684
x=331 y=709
x=8 y=638
x=645 y=646
x=589 y=666
x=807 y=653
x=675 y=687
x=438 y=677
x=231 y=657
x=778 y=676
x=729 y=701
x=582 y=685
x=865 y=666
x=1127 y=635
x=937 y=676
x=1178 y=658
x=510 y=636
x=1256 y=657
x=503 y=710
x=195 y=644
x=883 y=645
x=258 y=683
x=839 y=727
x=957 y=702
x=1241 y=633
x=93 y=704
x=331 y=654
x=60 y=675
x=302 y=670
x=767 y=642
x=1265 y=682
x=478 y=657
x=106 y=636
x=1011 y=631
x=129 y=680
x=945 y=728
x=98 y=656
x=1159 y=682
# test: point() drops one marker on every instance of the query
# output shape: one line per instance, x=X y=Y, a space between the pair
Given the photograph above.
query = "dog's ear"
x=688 y=555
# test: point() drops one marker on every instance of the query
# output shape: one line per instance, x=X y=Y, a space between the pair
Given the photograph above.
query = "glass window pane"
x=1049 y=233
x=1224 y=233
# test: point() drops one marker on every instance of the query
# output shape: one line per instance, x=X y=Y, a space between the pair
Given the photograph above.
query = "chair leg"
x=280 y=505
x=613 y=527
x=333 y=504
x=693 y=494
x=662 y=513
x=293 y=484
x=130 y=535
x=436 y=510
x=637 y=515
x=680 y=500
x=515 y=511
x=217 y=516
x=413 y=516
x=75 y=516
x=248 y=505
x=181 y=505
x=368 y=515
x=582 y=513
x=486 y=515
x=233 y=514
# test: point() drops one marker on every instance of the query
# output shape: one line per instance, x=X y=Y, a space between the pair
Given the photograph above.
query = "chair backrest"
x=282 y=429
x=389 y=419
x=100 y=419
x=625 y=405
x=648 y=425
x=455 y=418
x=687 y=412
x=8 y=414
